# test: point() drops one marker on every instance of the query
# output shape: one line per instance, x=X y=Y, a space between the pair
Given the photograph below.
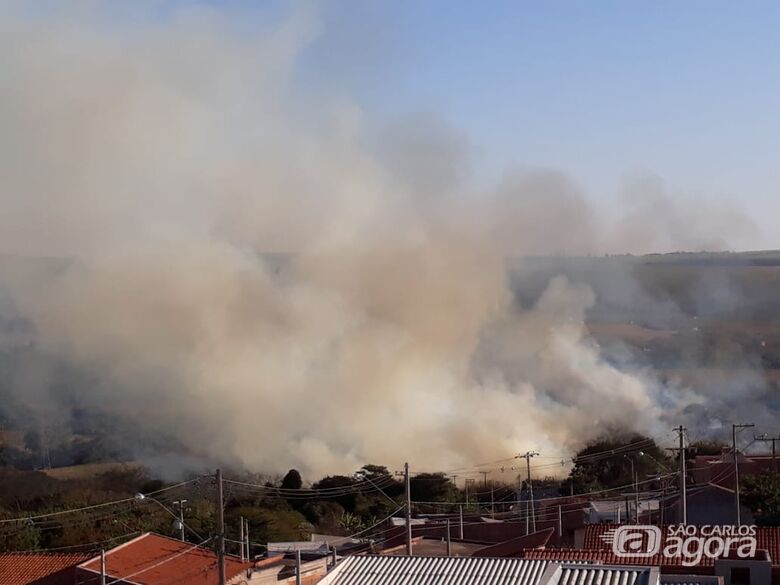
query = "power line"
x=89 y=544
x=91 y=507
x=162 y=562
x=601 y=491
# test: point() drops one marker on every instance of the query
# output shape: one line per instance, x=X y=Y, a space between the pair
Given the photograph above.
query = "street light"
x=179 y=520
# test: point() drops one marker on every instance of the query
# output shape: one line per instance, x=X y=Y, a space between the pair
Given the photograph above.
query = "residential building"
x=40 y=568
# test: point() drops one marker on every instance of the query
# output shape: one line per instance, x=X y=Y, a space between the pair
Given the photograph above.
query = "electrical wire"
x=92 y=507
x=90 y=544
x=605 y=490
x=309 y=494
x=125 y=578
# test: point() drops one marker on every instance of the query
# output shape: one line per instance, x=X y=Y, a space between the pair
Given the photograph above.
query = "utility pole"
x=527 y=456
x=560 y=525
x=469 y=483
x=181 y=503
x=734 y=428
x=663 y=500
x=297 y=566
x=683 y=487
x=460 y=514
x=636 y=495
x=636 y=490
x=246 y=538
x=766 y=438
x=103 y=566
x=241 y=535
x=408 y=484
x=449 y=539
x=220 y=529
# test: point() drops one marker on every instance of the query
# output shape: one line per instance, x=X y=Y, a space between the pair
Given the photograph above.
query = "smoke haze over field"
x=169 y=163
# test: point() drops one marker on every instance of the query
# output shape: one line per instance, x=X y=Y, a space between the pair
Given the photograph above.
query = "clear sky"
x=599 y=89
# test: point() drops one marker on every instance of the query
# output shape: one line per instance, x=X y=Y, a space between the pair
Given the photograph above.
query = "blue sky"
x=601 y=90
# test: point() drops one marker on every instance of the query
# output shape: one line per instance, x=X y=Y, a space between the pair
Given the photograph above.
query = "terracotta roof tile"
x=39 y=568
x=767 y=538
x=152 y=559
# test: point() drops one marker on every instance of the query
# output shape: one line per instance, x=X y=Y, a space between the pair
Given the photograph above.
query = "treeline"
x=285 y=508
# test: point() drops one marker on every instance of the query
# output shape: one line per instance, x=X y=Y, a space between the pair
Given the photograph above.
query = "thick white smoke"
x=247 y=275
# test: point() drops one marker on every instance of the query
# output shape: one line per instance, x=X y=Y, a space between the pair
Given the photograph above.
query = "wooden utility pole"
x=220 y=529
x=468 y=483
x=408 y=485
x=734 y=428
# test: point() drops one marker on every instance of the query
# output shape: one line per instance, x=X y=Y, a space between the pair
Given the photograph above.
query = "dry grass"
x=89 y=470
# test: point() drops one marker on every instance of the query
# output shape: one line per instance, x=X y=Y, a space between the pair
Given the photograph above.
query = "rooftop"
x=767 y=539
x=599 y=575
x=39 y=568
x=390 y=570
x=152 y=559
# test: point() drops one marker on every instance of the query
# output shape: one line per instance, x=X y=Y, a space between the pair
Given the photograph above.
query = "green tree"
x=607 y=463
x=344 y=496
x=432 y=487
x=381 y=477
x=292 y=480
x=761 y=493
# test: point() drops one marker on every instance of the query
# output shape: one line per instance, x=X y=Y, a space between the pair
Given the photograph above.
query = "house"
x=40 y=568
x=391 y=570
x=439 y=547
x=566 y=574
x=719 y=469
x=761 y=569
x=475 y=529
x=710 y=503
x=152 y=559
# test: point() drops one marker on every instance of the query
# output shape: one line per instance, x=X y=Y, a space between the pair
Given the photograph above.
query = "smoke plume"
x=259 y=274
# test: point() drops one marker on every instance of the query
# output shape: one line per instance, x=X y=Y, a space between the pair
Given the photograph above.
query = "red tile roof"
x=767 y=538
x=39 y=568
x=565 y=554
x=606 y=557
x=152 y=559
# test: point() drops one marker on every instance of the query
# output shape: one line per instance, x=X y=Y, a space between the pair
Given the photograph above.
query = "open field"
x=89 y=470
